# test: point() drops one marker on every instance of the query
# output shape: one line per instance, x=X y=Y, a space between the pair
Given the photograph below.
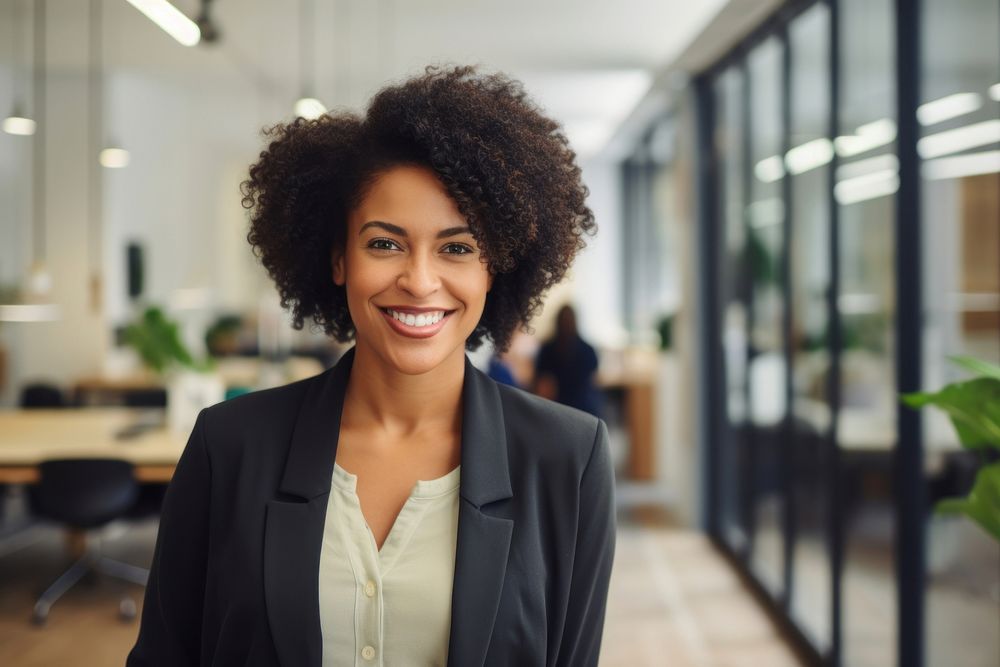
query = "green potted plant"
x=974 y=409
x=191 y=384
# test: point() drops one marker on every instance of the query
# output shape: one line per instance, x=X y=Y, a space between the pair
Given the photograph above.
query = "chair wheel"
x=39 y=617
x=127 y=609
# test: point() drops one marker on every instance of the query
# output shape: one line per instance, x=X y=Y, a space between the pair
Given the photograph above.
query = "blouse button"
x=368 y=652
x=370 y=589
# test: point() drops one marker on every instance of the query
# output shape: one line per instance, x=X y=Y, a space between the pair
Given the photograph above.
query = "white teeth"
x=421 y=320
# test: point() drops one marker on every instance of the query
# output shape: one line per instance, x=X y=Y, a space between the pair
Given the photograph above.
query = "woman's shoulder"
x=267 y=415
x=546 y=426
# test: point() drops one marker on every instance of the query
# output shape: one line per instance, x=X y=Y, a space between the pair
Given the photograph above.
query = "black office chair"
x=86 y=494
x=35 y=395
x=42 y=395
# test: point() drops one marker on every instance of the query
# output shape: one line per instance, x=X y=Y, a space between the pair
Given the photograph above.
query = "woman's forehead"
x=410 y=198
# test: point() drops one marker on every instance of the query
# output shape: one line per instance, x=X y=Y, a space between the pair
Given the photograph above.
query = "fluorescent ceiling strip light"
x=170 y=19
x=866 y=137
x=809 y=155
x=114 y=158
x=995 y=92
x=869 y=186
x=33 y=312
x=879 y=163
x=959 y=139
x=770 y=169
x=18 y=125
x=960 y=166
x=948 y=107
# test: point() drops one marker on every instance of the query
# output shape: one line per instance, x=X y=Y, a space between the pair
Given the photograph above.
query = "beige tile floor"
x=674 y=602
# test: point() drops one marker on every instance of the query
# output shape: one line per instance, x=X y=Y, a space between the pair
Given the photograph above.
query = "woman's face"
x=409 y=255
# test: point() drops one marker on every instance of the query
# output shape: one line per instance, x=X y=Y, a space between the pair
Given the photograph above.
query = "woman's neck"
x=382 y=400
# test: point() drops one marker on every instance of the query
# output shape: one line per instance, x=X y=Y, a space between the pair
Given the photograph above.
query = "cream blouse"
x=388 y=607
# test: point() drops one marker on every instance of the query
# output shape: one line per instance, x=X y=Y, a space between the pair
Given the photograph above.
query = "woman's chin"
x=417 y=362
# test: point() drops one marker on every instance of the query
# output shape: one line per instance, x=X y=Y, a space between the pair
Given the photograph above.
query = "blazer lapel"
x=293 y=530
x=483 y=540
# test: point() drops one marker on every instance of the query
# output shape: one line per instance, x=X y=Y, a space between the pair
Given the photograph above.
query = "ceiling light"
x=959 y=139
x=20 y=125
x=870 y=165
x=960 y=166
x=114 y=158
x=995 y=92
x=770 y=169
x=309 y=108
x=170 y=19
x=869 y=186
x=948 y=107
x=866 y=137
x=809 y=155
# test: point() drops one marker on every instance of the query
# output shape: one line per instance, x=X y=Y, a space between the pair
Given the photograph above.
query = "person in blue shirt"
x=565 y=367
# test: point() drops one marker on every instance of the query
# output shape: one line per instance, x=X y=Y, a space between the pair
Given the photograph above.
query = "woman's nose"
x=419 y=277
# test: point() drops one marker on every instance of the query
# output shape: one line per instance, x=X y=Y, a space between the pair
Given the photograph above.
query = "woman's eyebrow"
x=399 y=231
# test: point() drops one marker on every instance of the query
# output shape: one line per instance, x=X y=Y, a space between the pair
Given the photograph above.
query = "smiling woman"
x=402 y=507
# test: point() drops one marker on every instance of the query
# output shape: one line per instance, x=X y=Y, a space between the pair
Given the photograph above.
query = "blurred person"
x=401 y=506
x=565 y=366
x=500 y=371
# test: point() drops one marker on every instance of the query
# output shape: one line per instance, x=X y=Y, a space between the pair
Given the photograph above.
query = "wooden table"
x=28 y=437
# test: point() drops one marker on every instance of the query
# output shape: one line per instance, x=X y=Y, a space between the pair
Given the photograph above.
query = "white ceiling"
x=568 y=52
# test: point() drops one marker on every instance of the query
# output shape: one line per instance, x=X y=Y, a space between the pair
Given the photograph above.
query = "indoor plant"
x=191 y=385
x=974 y=409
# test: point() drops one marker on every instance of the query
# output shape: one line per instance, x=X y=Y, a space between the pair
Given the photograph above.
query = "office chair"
x=41 y=395
x=83 y=495
x=35 y=395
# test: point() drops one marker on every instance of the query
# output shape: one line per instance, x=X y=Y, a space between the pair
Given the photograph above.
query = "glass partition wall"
x=959 y=129
x=854 y=209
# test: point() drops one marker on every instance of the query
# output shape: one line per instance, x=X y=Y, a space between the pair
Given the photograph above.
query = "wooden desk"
x=28 y=437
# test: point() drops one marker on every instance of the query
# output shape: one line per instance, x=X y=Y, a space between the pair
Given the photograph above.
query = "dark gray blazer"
x=234 y=579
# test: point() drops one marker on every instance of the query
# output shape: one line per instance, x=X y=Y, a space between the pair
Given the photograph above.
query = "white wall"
x=190 y=141
x=594 y=283
x=597 y=273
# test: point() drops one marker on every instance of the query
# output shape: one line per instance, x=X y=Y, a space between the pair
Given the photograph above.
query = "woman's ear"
x=339 y=277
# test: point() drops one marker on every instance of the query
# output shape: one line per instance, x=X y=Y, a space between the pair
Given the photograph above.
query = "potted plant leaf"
x=974 y=409
x=191 y=385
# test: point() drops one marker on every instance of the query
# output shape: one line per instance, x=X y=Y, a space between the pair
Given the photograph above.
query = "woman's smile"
x=416 y=325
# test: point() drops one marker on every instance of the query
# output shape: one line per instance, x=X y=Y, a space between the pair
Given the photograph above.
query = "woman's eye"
x=458 y=249
x=382 y=244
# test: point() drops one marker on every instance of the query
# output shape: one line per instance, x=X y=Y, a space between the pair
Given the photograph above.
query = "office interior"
x=799 y=220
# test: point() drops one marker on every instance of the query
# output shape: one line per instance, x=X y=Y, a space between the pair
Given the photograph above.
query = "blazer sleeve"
x=170 y=628
x=595 y=549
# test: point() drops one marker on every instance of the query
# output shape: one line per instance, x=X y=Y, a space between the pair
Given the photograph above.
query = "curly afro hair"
x=508 y=167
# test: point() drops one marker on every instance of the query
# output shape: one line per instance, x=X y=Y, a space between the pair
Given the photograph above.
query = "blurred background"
x=799 y=220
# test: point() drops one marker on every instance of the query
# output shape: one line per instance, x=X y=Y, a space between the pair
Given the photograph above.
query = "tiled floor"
x=673 y=602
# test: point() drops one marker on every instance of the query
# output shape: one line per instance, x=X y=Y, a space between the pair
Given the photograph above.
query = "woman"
x=401 y=508
x=565 y=366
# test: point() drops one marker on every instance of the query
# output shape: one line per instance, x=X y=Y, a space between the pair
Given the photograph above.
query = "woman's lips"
x=414 y=331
